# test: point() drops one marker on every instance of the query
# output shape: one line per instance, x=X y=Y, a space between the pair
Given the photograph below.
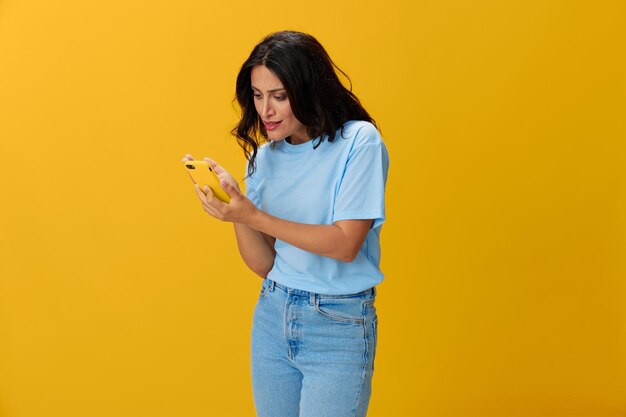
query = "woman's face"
x=272 y=105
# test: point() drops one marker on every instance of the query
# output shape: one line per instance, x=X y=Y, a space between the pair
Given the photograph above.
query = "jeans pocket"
x=343 y=310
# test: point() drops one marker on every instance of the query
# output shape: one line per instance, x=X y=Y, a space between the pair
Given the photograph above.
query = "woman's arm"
x=256 y=249
x=340 y=240
x=256 y=230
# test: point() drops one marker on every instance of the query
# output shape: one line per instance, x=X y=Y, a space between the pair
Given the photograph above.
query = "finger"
x=210 y=196
x=188 y=157
x=217 y=204
x=215 y=166
x=208 y=191
x=230 y=189
x=201 y=194
x=210 y=204
x=210 y=210
x=205 y=201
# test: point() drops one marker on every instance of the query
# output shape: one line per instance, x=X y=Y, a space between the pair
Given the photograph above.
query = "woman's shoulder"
x=361 y=132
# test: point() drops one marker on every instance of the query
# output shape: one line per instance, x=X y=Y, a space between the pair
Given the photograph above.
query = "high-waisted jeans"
x=312 y=354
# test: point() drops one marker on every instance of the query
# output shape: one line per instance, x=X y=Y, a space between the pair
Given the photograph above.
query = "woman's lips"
x=271 y=125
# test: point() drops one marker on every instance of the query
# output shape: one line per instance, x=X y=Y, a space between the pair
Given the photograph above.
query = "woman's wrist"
x=256 y=219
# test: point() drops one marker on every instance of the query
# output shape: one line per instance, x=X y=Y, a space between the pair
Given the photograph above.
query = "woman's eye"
x=257 y=96
x=280 y=98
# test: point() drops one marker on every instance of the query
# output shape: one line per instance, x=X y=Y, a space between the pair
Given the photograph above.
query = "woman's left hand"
x=239 y=210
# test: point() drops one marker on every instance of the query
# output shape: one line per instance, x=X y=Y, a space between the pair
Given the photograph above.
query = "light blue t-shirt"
x=339 y=180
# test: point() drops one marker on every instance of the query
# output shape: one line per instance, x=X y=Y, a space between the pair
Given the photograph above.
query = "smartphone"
x=202 y=174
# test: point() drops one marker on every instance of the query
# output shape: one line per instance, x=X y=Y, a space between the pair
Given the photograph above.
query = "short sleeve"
x=252 y=189
x=361 y=191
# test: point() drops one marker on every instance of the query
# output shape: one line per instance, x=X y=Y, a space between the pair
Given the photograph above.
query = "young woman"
x=309 y=224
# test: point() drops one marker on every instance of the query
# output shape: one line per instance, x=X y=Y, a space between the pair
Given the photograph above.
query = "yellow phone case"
x=202 y=174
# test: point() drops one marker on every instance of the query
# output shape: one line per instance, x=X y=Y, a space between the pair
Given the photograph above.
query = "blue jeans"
x=312 y=354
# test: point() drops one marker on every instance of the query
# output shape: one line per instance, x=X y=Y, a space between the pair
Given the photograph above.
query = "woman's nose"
x=268 y=110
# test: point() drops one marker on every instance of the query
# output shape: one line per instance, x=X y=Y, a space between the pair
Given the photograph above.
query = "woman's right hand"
x=222 y=174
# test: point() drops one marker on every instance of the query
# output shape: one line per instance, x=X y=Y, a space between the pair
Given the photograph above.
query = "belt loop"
x=272 y=282
x=374 y=291
x=312 y=298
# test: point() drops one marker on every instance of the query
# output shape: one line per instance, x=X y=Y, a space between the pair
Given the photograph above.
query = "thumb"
x=230 y=189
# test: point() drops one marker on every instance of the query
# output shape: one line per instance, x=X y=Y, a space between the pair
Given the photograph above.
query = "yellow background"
x=504 y=249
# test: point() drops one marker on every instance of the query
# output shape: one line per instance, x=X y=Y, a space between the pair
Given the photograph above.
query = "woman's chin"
x=274 y=138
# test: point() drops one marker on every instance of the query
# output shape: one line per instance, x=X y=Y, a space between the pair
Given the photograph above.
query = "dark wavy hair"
x=317 y=97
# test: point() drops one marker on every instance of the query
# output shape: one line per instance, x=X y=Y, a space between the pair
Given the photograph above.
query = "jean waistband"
x=273 y=284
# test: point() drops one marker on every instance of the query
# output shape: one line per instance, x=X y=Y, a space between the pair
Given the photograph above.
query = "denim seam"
x=364 y=369
x=285 y=328
x=375 y=339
